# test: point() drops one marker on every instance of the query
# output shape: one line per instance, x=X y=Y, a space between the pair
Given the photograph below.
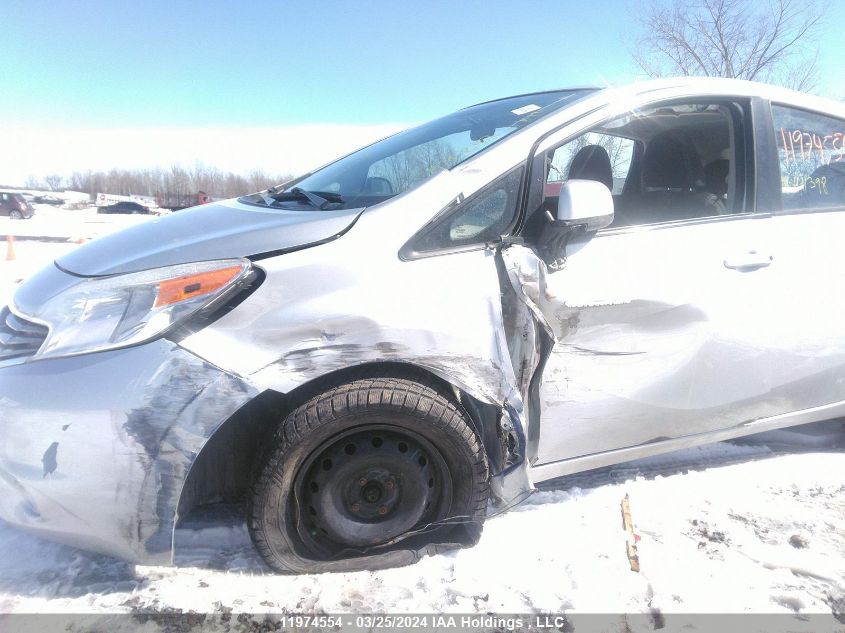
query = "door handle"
x=747 y=261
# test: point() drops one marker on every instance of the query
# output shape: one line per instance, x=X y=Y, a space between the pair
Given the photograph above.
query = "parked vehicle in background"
x=133 y=208
x=179 y=201
x=15 y=206
x=380 y=354
x=48 y=199
x=105 y=199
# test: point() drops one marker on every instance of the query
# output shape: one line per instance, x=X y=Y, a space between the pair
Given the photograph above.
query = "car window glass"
x=620 y=151
x=480 y=219
x=407 y=168
x=811 y=153
x=395 y=164
x=662 y=164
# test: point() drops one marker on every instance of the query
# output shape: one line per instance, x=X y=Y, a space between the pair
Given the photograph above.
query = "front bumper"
x=94 y=449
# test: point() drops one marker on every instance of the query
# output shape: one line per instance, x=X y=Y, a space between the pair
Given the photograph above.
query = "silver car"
x=383 y=352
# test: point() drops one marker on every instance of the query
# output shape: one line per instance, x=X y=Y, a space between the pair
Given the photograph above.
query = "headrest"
x=716 y=176
x=592 y=163
x=671 y=162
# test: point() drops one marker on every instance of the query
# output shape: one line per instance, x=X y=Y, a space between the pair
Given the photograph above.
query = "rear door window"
x=811 y=153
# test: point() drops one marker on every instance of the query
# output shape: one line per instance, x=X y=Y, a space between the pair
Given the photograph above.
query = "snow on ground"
x=753 y=526
x=73 y=224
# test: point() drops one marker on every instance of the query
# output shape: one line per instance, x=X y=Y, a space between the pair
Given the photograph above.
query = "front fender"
x=95 y=449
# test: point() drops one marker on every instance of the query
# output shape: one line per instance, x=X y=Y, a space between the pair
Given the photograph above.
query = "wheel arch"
x=225 y=467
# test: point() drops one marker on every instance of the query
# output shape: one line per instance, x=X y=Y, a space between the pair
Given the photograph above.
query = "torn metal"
x=291 y=331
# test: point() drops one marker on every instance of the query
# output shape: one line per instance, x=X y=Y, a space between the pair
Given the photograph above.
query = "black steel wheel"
x=368 y=486
x=367 y=475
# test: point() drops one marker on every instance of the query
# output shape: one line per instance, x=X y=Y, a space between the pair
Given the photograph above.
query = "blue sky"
x=77 y=64
x=272 y=63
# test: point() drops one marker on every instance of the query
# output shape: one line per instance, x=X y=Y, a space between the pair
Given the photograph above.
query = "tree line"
x=172 y=181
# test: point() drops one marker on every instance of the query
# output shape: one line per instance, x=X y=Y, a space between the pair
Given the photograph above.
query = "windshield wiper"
x=320 y=200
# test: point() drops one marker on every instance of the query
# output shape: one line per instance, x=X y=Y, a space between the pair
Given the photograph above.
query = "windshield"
x=395 y=164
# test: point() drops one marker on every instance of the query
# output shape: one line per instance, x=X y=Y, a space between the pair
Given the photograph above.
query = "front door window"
x=662 y=164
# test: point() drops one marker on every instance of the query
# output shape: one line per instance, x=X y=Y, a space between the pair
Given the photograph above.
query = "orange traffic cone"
x=10 y=248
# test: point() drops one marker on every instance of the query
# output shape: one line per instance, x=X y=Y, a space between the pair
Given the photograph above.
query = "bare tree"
x=774 y=41
x=53 y=182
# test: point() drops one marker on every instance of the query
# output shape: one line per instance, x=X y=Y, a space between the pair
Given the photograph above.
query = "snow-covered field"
x=756 y=526
x=73 y=224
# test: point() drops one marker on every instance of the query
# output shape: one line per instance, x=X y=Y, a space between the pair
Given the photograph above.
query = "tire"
x=356 y=476
x=14 y=214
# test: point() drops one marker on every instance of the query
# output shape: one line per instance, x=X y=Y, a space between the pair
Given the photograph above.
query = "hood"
x=212 y=231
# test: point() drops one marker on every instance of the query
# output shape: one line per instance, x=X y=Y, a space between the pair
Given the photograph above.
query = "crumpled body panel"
x=655 y=352
x=353 y=302
x=100 y=462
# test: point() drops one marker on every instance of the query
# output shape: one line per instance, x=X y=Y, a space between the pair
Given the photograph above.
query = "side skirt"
x=551 y=470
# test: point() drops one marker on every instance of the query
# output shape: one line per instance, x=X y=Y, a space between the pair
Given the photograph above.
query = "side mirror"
x=586 y=203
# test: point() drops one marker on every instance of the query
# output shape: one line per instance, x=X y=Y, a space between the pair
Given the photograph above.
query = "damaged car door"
x=654 y=319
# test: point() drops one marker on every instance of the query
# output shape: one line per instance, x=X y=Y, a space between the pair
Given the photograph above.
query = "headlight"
x=110 y=312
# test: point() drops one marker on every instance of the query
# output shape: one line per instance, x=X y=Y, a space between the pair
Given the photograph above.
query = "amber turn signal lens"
x=191 y=286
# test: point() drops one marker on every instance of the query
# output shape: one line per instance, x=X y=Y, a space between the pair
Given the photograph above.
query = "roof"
x=536 y=92
x=701 y=86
